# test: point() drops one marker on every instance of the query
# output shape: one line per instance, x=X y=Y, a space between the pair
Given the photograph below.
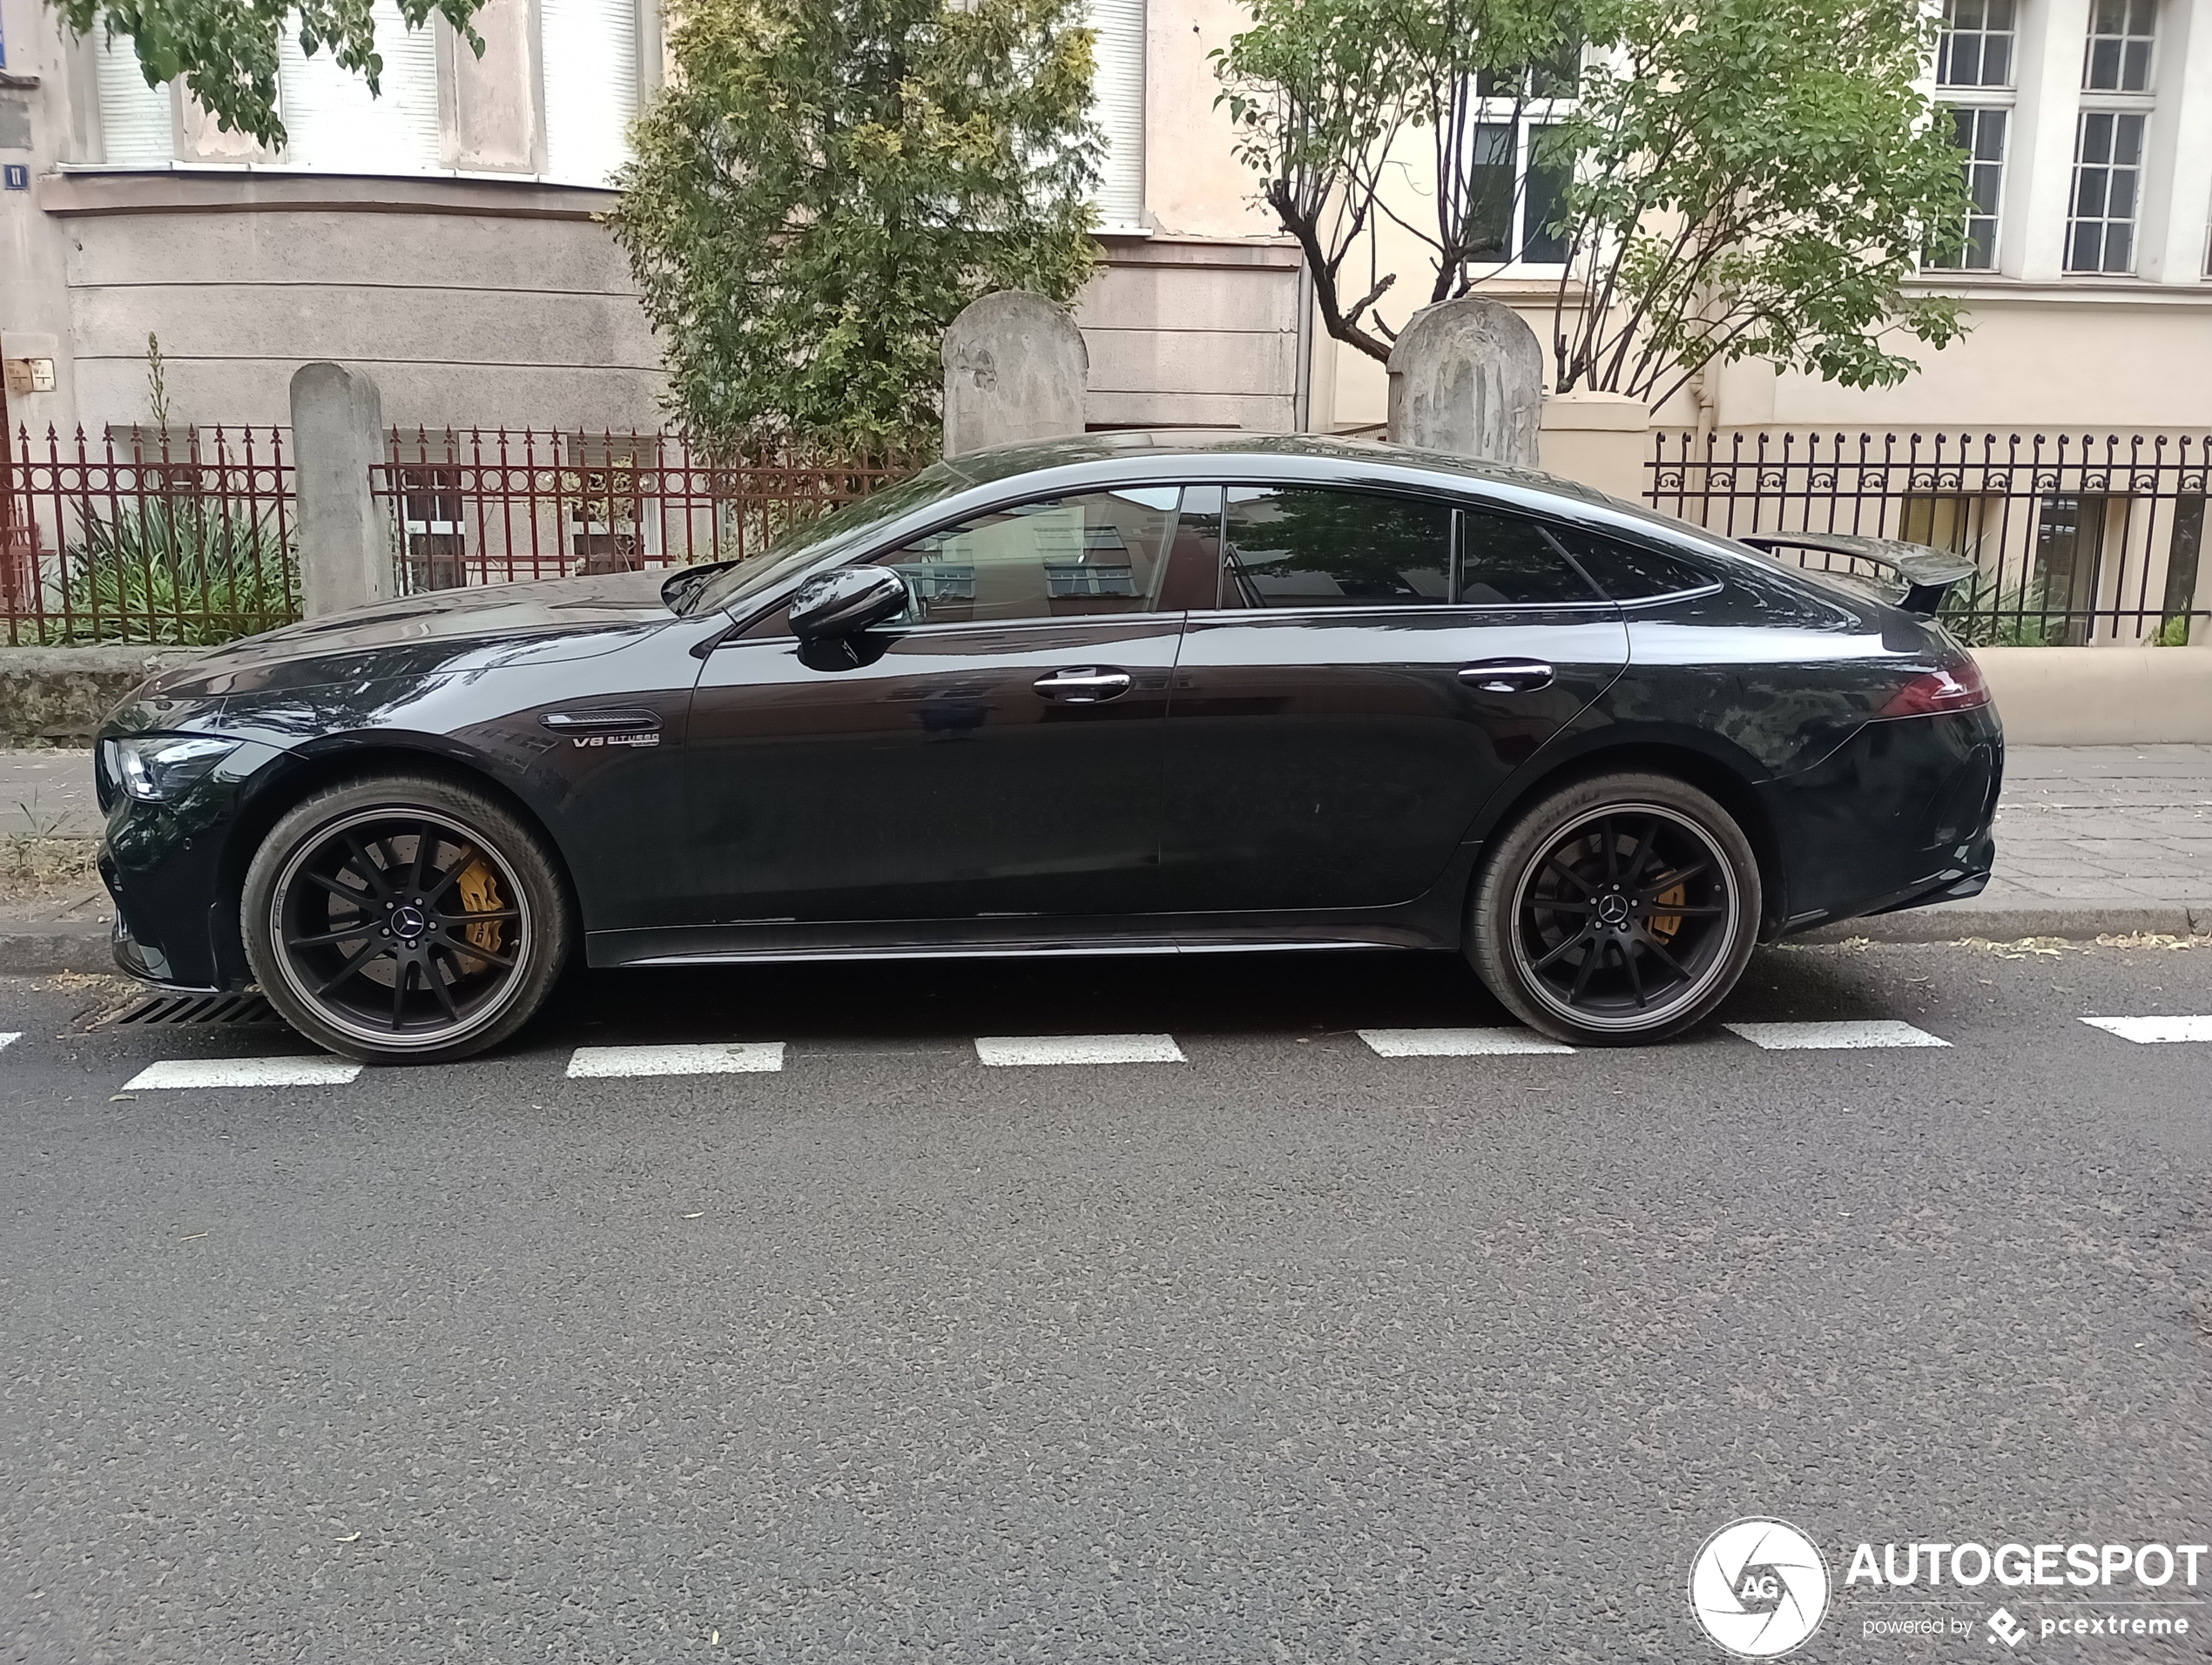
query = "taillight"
x=1953 y=688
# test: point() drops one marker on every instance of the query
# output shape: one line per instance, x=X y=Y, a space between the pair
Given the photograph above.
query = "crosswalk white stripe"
x=9 y=1037
x=2153 y=1030
x=1817 y=1037
x=1457 y=1044
x=734 y=1058
x=1013 y=1050
x=245 y=1072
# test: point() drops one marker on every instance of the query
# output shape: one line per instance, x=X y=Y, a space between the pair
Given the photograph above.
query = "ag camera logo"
x=1759 y=1587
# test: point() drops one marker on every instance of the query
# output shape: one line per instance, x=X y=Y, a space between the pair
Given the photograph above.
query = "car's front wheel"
x=1621 y=908
x=404 y=919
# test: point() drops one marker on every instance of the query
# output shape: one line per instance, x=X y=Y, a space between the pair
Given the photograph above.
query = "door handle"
x=601 y=721
x=1084 y=685
x=1507 y=676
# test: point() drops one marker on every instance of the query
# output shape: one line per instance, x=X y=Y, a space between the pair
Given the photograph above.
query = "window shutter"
x=590 y=49
x=331 y=122
x=1117 y=93
x=135 y=123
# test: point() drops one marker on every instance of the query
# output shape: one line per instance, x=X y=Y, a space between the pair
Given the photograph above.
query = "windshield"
x=807 y=544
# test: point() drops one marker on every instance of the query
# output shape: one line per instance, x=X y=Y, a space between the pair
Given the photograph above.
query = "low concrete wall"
x=57 y=695
x=2102 y=696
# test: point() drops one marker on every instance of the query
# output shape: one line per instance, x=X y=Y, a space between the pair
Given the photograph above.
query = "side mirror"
x=847 y=602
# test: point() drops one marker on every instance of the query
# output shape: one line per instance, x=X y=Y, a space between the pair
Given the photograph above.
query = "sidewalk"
x=2091 y=841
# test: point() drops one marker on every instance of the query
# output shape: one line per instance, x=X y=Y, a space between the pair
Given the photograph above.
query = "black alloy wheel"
x=404 y=919
x=1622 y=909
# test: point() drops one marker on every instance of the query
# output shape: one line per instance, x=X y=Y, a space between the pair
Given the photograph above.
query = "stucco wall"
x=485 y=302
x=2128 y=358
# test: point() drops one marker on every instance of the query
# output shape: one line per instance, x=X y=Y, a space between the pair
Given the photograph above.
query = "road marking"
x=1016 y=1049
x=246 y=1072
x=736 y=1058
x=2151 y=1030
x=1821 y=1037
x=9 y=1037
x=1457 y=1044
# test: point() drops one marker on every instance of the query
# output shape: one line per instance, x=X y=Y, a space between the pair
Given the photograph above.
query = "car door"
x=992 y=754
x=1375 y=667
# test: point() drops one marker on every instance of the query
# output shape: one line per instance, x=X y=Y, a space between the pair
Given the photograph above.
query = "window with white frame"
x=2116 y=67
x=1515 y=192
x=2122 y=34
x=334 y=124
x=137 y=127
x=1118 y=105
x=589 y=53
x=591 y=60
x=1974 y=81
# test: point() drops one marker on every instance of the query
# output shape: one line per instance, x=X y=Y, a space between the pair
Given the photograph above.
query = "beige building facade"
x=443 y=236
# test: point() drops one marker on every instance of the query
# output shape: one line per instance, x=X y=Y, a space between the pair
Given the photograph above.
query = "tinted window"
x=1299 y=547
x=1508 y=562
x=1104 y=552
x=1630 y=571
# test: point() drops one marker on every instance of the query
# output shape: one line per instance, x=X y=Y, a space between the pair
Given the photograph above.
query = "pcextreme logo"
x=1759 y=1587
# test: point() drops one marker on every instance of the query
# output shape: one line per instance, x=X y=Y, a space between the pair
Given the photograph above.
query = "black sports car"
x=1120 y=693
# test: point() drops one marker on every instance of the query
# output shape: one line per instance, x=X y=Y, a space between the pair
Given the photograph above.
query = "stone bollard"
x=1015 y=369
x=1466 y=377
x=337 y=434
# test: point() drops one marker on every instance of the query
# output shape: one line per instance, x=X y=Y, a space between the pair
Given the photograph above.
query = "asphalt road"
x=1287 y=1351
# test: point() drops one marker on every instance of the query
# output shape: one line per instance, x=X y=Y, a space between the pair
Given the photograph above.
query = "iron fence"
x=471 y=506
x=178 y=538
x=2078 y=538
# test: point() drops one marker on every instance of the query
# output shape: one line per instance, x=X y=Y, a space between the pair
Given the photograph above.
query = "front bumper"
x=169 y=868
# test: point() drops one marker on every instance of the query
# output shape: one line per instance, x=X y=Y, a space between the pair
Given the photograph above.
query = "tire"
x=370 y=957
x=1569 y=928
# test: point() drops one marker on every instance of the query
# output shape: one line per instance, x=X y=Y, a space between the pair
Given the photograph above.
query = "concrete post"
x=1599 y=438
x=1467 y=378
x=1015 y=369
x=337 y=432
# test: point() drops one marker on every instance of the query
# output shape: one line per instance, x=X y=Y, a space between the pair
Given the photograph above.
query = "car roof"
x=1214 y=446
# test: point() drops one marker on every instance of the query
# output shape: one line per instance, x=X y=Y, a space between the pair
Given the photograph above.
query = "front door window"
x=1100 y=553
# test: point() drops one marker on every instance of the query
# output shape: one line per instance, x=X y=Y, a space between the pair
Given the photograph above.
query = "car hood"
x=475 y=629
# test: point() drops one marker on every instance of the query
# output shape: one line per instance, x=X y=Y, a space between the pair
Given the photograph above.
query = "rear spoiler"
x=1928 y=573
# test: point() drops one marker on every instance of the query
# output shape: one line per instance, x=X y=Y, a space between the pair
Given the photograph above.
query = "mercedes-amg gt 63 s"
x=1103 y=695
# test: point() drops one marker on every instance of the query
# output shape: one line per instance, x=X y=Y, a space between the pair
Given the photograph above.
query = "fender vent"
x=167 y=1010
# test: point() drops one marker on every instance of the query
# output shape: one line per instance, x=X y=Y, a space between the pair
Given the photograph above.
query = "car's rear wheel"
x=1620 y=909
x=404 y=919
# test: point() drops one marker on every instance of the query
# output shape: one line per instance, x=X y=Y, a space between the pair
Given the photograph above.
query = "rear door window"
x=1299 y=547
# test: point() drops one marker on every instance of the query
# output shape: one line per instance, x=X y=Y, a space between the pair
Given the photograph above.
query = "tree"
x=1747 y=178
x=826 y=182
x=226 y=50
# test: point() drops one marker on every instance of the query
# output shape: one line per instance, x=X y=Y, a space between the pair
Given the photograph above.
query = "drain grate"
x=168 y=1009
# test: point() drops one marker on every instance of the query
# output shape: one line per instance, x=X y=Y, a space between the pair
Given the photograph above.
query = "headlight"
x=155 y=768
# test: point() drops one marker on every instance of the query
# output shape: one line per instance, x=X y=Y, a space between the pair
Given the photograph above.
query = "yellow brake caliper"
x=480 y=895
x=1664 y=926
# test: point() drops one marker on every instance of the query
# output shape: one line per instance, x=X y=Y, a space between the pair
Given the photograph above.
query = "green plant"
x=178 y=572
x=824 y=183
x=1981 y=615
x=1736 y=179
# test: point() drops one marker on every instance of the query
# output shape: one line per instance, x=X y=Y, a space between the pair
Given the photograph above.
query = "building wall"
x=483 y=293
x=2045 y=347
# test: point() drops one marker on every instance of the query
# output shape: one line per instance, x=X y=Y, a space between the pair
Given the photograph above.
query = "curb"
x=29 y=949
x=2072 y=922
